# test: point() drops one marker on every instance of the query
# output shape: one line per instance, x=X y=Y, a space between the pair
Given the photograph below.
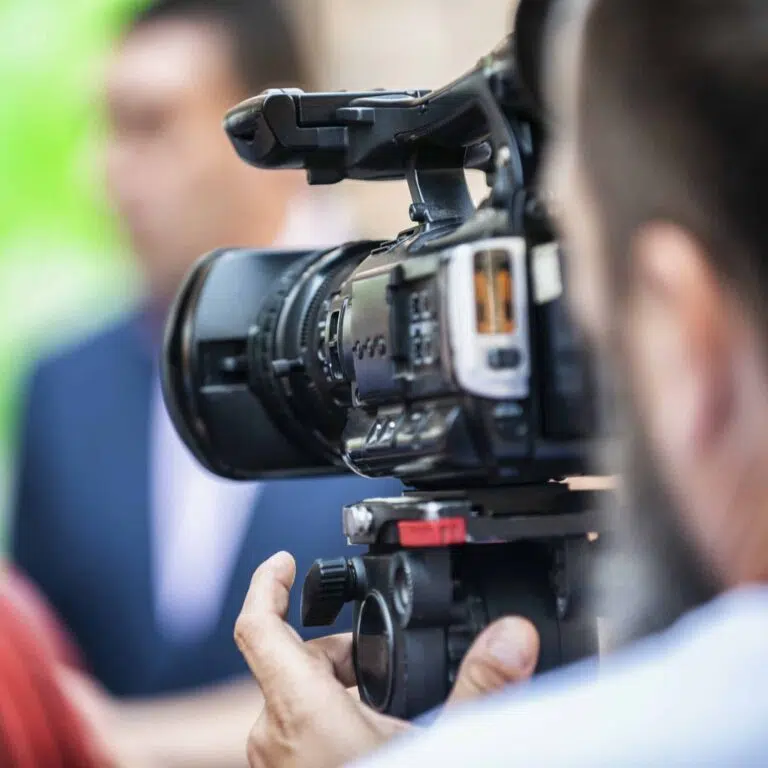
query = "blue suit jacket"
x=82 y=525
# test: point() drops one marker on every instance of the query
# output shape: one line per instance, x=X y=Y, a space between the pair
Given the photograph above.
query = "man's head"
x=659 y=155
x=176 y=182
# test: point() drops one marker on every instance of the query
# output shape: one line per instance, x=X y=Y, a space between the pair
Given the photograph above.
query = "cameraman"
x=658 y=162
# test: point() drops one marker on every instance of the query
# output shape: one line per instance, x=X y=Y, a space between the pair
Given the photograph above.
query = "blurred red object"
x=31 y=605
x=39 y=728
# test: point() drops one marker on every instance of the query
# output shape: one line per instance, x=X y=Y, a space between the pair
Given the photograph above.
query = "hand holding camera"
x=309 y=717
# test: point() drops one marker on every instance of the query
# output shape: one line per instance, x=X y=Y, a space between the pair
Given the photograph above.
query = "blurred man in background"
x=144 y=555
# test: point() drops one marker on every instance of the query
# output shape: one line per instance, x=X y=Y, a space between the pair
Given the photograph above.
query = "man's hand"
x=309 y=718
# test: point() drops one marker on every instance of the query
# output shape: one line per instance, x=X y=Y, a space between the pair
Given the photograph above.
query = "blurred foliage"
x=63 y=267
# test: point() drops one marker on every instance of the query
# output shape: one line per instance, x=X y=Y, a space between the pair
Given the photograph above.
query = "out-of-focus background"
x=64 y=266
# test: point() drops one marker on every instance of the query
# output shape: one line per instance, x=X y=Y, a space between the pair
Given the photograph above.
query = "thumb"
x=505 y=652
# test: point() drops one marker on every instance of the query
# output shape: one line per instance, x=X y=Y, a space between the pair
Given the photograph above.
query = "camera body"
x=444 y=357
x=427 y=364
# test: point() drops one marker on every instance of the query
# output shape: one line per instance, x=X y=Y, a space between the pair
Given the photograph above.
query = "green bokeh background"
x=63 y=265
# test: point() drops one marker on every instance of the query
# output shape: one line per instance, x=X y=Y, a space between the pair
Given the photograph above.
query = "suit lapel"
x=131 y=533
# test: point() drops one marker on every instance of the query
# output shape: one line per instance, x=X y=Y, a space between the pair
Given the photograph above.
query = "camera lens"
x=374 y=658
x=270 y=363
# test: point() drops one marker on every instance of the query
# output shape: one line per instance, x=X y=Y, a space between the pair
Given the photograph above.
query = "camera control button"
x=328 y=586
x=511 y=421
x=388 y=434
x=374 y=436
x=434 y=427
x=406 y=434
x=504 y=358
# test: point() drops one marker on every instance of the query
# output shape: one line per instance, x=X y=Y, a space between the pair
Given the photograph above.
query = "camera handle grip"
x=328 y=586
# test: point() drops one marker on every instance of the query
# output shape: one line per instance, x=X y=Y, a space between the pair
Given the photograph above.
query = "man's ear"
x=679 y=343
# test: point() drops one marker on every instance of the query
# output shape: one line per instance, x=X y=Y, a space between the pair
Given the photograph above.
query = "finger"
x=505 y=652
x=354 y=692
x=257 y=749
x=336 y=651
x=286 y=671
x=385 y=726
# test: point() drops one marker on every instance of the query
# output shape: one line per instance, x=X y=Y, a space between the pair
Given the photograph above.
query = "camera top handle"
x=386 y=134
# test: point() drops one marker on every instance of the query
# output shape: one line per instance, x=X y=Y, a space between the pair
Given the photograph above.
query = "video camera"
x=444 y=357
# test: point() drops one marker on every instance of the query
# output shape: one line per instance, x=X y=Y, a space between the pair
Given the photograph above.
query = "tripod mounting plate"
x=474 y=516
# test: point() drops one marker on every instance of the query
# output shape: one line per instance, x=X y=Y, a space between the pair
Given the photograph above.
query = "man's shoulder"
x=84 y=357
x=108 y=338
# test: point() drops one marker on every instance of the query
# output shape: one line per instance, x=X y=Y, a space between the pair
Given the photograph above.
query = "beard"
x=649 y=573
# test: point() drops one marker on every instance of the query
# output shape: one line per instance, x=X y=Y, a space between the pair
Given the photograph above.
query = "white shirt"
x=199 y=520
x=696 y=695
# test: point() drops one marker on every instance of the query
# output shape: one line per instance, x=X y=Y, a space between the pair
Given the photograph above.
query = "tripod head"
x=441 y=566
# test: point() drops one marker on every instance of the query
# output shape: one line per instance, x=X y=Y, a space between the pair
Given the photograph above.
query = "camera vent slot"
x=334 y=348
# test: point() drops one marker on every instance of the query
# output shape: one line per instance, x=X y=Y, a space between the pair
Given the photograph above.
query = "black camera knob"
x=328 y=586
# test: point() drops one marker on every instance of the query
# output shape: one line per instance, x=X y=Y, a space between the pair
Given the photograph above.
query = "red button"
x=432 y=533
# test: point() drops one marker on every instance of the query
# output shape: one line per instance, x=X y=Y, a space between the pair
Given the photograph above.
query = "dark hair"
x=673 y=125
x=265 y=52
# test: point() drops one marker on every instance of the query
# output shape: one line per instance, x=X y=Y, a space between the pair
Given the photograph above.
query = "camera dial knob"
x=328 y=586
